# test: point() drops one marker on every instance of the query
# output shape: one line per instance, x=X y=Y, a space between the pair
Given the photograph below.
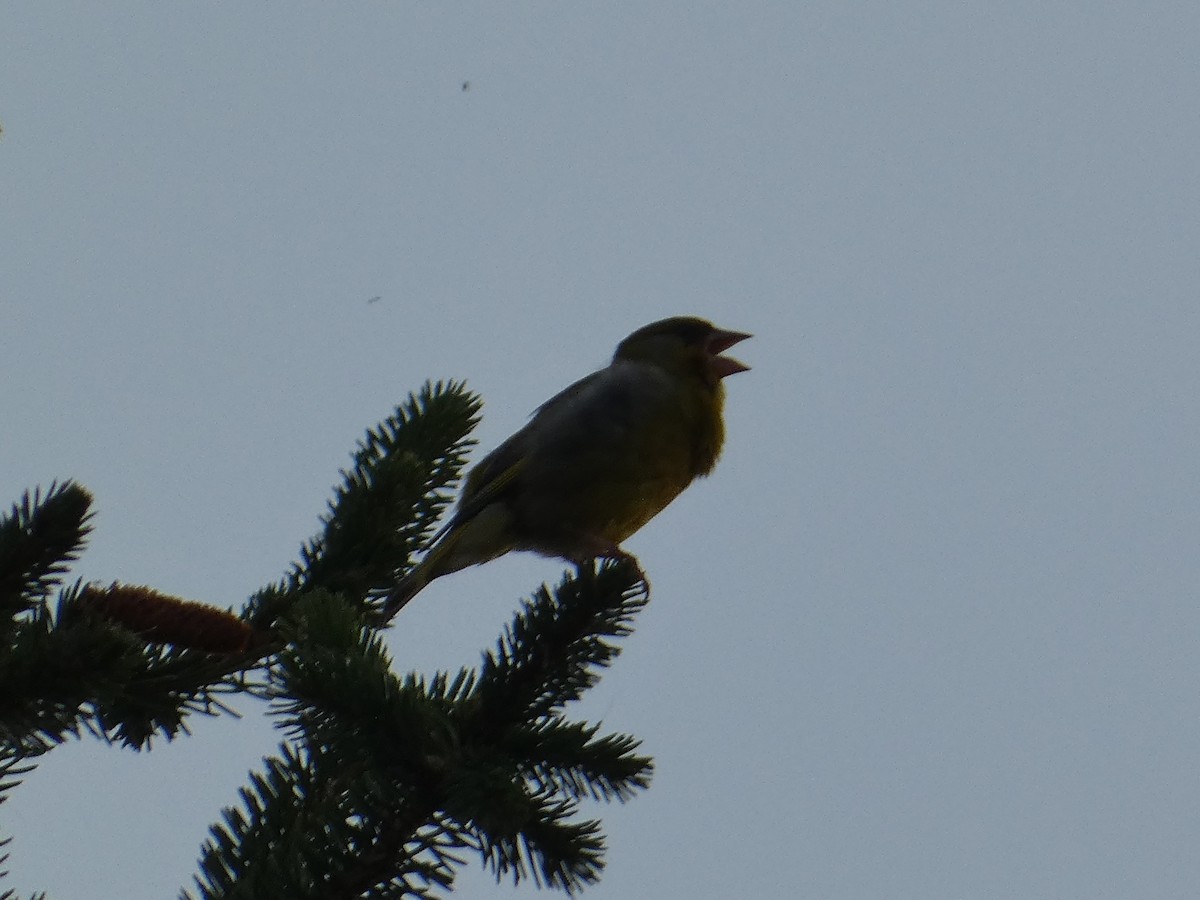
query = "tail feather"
x=432 y=566
x=406 y=588
x=482 y=537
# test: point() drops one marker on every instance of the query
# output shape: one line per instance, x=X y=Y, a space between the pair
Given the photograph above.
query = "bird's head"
x=684 y=344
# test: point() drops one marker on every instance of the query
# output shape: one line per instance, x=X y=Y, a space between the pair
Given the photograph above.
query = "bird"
x=595 y=462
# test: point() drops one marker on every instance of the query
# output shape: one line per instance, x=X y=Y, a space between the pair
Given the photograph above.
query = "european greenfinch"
x=597 y=461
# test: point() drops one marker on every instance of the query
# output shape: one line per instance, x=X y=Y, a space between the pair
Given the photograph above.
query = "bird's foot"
x=607 y=550
x=631 y=560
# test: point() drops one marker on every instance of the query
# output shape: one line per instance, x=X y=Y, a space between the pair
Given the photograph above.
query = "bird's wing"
x=566 y=426
x=496 y=472
x=480 y=493
x=595 y=414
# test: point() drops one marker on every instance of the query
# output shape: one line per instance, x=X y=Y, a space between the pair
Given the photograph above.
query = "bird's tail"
x=406 y=588
x=482 y=537
x=437 y=562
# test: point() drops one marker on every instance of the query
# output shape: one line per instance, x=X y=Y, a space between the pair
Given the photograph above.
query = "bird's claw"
x=616 y=554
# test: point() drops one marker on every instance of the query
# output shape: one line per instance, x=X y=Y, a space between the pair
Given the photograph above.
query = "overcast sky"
x=930 y=630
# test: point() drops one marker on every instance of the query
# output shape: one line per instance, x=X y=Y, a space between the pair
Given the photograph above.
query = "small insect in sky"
x=466 y=86
x=375 y=299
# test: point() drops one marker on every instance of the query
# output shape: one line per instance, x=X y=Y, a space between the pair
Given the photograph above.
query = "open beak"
x=720 y=341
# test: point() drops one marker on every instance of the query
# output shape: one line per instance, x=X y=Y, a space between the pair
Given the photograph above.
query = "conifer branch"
x=391 y=498
x=550 y=654
x=420 y=770
x=38 y=539
x=384 y=782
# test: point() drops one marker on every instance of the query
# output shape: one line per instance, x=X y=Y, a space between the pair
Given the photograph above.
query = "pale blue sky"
x=930 y=631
